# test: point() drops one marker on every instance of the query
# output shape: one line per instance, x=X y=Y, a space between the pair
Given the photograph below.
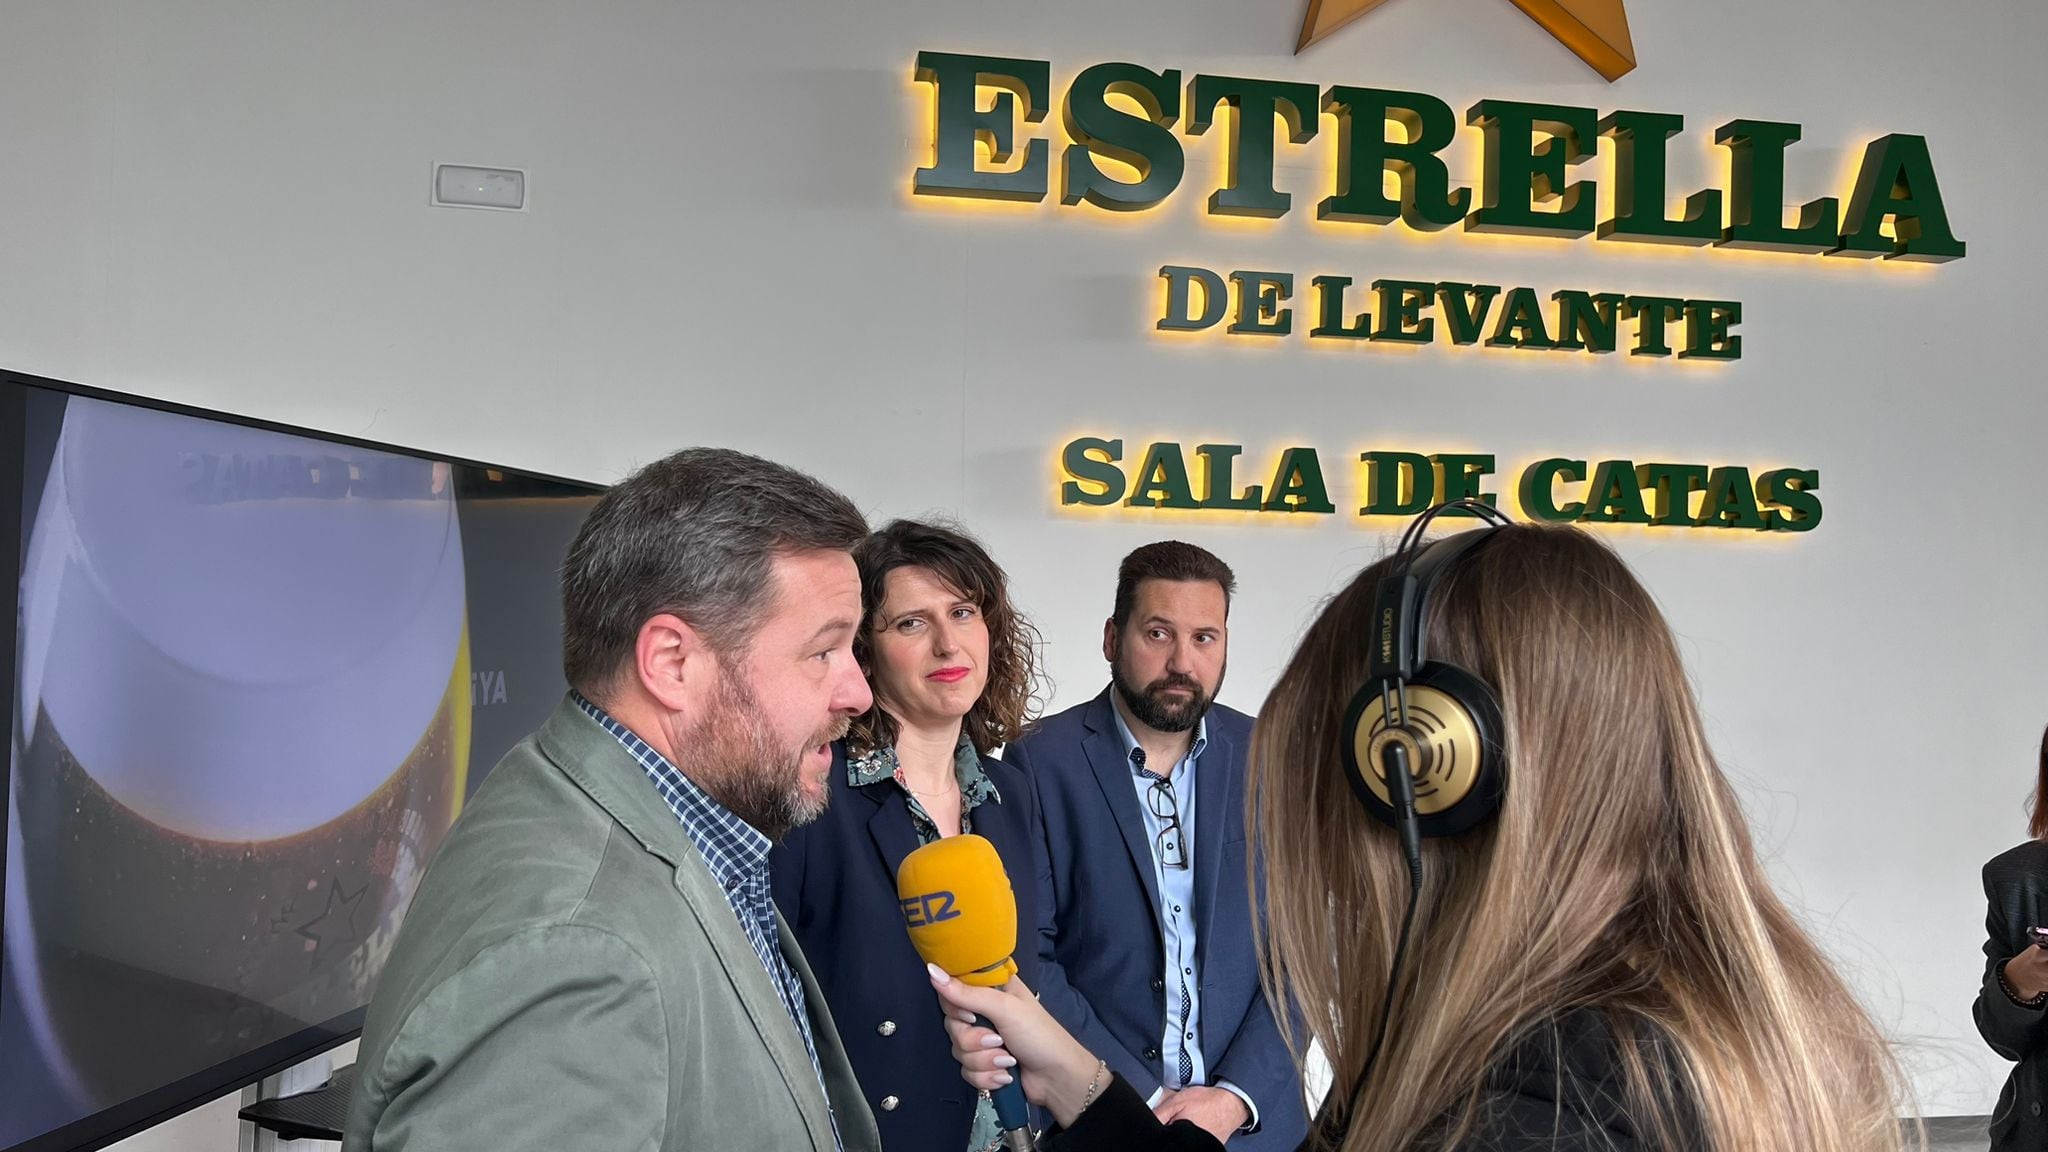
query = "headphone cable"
x=1395 y=763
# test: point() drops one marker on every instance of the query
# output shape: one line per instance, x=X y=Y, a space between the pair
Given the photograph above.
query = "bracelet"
x=2036 y=1001
x=1095 y=1086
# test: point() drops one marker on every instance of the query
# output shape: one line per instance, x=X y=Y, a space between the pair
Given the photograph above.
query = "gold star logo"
x=1595 y=30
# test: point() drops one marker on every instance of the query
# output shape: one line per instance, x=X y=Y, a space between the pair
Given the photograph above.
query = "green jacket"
x=570 y=976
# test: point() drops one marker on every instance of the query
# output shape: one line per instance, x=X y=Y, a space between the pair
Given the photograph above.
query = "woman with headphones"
x=1544 y=927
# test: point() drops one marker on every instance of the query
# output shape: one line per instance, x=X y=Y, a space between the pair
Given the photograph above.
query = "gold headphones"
x=1435 y=723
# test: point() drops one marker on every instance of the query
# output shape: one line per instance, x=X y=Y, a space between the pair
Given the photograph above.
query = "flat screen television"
x=255 y=673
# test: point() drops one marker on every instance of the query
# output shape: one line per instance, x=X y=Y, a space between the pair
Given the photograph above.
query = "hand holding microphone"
x=962 y=916
x=2027 y=973
x=1000 y=1031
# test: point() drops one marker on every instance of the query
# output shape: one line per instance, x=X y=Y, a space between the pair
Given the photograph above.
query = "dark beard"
x=730 y=755
x=1150 y=705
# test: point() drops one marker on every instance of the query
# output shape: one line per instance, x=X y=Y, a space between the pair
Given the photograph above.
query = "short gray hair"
x=693 y=535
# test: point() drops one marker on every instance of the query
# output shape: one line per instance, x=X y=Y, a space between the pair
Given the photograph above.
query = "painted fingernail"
x=1004 y=1078
x=1006 y=1062
x=991 y=1041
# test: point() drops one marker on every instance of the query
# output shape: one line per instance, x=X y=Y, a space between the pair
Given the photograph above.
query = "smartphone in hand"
x=2039 y=936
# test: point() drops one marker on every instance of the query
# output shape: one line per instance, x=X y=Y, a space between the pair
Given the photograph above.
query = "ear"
x=1109 y=640
x=673 y=664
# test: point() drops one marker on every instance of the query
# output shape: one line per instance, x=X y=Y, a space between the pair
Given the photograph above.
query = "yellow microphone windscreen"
x=962 y=914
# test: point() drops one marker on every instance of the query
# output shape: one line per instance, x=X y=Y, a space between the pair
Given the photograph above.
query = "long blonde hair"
x=1618 y=877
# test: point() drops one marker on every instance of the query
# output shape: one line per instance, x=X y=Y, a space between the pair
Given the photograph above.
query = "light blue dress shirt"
x=1180 y=1045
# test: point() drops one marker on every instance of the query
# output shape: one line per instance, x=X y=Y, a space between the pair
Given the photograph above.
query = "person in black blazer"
x=952 y=666
x=1597 y=964
x=1146 y=920
x=2012 y=1000
x=1558 y=1087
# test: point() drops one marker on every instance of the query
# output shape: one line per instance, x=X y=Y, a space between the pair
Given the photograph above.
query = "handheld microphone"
x=962 y=916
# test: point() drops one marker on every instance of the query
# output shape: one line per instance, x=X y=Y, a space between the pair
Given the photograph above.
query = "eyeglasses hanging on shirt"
x=1170 y=847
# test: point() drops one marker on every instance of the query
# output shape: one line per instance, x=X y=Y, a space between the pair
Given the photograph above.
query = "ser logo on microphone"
x=930 y=908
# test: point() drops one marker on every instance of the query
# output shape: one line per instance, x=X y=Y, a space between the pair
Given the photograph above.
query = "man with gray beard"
x=1145 y=919
x=593 y=959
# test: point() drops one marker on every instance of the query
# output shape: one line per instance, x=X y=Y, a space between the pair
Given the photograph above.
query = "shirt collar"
x=1134 y=754
x=733 y=849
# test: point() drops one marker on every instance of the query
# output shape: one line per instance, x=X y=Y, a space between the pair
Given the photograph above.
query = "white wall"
x=224 y=203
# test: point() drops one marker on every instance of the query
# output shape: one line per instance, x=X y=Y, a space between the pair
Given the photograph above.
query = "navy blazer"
x=1102 y=957
x=835 y=882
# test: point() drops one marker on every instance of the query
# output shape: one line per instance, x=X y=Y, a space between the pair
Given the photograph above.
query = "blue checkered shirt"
x=737 y=855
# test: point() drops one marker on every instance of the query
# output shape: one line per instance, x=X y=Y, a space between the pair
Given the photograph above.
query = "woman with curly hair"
x=951 y=662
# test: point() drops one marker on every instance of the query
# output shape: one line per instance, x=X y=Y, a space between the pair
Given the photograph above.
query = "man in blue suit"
x=1145 y=924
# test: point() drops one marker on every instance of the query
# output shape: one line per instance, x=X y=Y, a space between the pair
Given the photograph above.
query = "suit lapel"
x=597 y=763
x=583 y=751
x=1106 y=755
x=857 y=1129
x=889 y=827
x=757 y=993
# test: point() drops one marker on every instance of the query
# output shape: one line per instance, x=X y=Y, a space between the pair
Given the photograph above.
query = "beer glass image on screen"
x=242 y=725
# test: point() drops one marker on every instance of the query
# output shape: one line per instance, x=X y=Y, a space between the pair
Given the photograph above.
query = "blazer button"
x=886 y=1027
x=1151 y=1053
x=1158 y=985
x=889 y=1103
x=2035 y=1107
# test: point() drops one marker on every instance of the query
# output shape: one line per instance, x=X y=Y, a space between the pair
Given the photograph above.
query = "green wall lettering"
x=1520 y=174
x=1612 y=497
x=1707 y=335
x=1298 y=484
x=1365 y=156
x=1330 y=311
x=1670 y=488
x=1652 y=314
x=1161 y=480
x=1258 y=303
x=1098 y=128
x=958 y=122
x=1641 y=159
x=1897 y=181
x=1458 y=476
x=1537 y=492
x=1730 y=502
x=1522 y=314
x=1790 y=492
x=1756 y=197
x=1587 y=322
x=1399 y=304
x=1465 y=307
x=1397 y=483
x=1254 y=104
x=1216 y=479
x=1180 y=316
x=1091 y=460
